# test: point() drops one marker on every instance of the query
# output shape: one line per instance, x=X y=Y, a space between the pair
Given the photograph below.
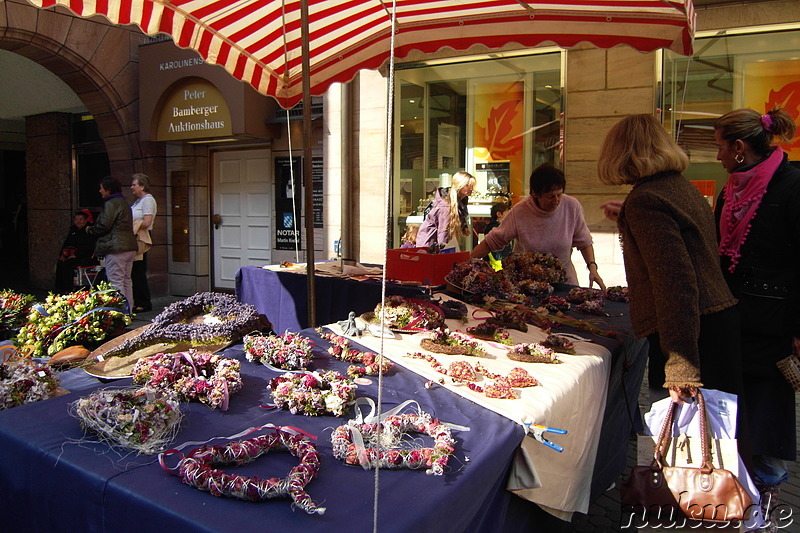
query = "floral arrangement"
x=368 y=363
x=559 y=343
x=409 y=313
x=224 y=319
x=381 y=440
x=464 y=373
x=533 y=353
x=453 y=343
x=555 y=304
x=313 y=394
x=591 y=307
x=81 y=317
x=453 y=309
x=534 y=266
x=206 y=377
x=539 y=289
x=490 y=332
x=579 y=295
x=617 y=293
x=508 y=318
x=14 y=309
x=144 y=420
x=22 y=382
x=290 y=351
x=198 y=470
x=478 y=277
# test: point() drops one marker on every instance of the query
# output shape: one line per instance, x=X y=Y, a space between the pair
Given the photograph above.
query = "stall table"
x=56 y=478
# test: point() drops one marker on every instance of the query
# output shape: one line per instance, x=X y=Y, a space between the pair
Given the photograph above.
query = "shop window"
x=729 y=70
x=496 y=118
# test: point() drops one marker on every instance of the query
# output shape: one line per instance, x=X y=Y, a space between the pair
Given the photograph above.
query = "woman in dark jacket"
x=758 y=216
x=116 y=242
x=678 y=296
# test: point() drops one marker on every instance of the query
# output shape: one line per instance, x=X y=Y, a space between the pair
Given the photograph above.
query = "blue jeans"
x=769 y=470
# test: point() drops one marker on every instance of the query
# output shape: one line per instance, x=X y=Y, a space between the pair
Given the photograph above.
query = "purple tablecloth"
x=283 y=296
x=56 y=479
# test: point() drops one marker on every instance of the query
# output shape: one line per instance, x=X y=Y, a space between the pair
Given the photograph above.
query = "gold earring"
x=739 y=158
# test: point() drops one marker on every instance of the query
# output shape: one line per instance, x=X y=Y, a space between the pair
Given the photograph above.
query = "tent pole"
x=308 y=182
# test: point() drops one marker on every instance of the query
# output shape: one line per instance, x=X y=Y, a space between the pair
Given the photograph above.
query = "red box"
x=413 y=264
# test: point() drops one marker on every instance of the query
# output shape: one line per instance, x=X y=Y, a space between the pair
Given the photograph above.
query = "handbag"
x=706 y=493
x=790 y=368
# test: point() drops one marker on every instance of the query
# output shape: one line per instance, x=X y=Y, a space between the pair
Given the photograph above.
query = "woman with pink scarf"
x=758 y=216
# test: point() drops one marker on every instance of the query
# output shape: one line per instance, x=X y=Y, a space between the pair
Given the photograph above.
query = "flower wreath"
x=533 y=353
x=290 y=351
x=373 y=364
x=228 y=320
x=579 y=295
x=490 y=332
x=617 y=293
x=555 y=303
x=22 y=382
x=206 y=377
x=451 y=343
x=313 y=394
x=197 y=469
x=389 y=434
x=559 y=343
x=144 y=420
x=409 y=313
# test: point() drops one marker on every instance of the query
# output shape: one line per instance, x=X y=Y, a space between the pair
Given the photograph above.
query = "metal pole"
x=307 y=166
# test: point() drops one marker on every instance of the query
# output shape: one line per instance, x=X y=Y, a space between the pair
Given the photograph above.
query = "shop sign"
x=193 y=108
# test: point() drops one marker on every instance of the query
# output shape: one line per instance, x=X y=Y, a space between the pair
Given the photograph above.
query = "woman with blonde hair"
x=447 y=219
x=678 y=297
x=758 y=213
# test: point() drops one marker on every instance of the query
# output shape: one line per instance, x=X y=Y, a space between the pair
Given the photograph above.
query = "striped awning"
x=259 y=41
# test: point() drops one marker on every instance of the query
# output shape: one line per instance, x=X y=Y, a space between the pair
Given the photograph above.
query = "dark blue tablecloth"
x=283 y=296
x=56 y=479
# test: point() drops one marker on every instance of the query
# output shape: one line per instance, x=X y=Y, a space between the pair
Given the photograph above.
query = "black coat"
x=766 y=282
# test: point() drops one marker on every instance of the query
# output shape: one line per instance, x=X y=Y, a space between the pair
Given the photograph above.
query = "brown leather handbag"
x=705 y=494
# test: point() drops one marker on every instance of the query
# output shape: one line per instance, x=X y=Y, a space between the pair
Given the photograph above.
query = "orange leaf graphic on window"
x=787 y=97
x=497 y=137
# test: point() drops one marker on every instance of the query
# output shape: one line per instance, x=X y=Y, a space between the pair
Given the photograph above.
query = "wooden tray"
x=120 y=367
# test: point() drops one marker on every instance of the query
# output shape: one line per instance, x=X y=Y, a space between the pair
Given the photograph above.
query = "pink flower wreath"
x=197 y=469
x=391 y=431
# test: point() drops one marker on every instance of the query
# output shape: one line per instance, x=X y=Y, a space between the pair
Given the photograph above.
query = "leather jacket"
x=114 y=228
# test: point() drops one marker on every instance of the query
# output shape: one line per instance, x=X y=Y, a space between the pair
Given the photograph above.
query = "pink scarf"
x=743 y=194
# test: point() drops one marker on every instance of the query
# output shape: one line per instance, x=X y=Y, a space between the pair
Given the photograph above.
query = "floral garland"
x=192 y=375
x=617 y=293
x=14 y=309
x=451 y=343
x=409 y=313
x=22 y=382
x=555 y=304
x=227 y=320
x=559 y=343
x=289 y=351
x=313 y=394
x=579 y=295
x=490 y=332
x=535 y=266
x=144 y=420
x=478 y=277
x=371 y=364
x=380 y=441
x=461 y=372
x=197 y=470
x=533 y=353
x=80 y=317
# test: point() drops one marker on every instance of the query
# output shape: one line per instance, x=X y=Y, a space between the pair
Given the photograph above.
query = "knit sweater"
x=672 y=266
x=554 y=232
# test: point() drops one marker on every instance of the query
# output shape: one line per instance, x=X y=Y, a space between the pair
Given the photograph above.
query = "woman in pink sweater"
x=547 y=221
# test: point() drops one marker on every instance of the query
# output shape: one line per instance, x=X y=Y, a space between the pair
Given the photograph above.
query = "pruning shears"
x=537 y=432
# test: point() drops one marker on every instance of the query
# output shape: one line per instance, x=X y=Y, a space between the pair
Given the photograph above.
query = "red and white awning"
x=259 y=41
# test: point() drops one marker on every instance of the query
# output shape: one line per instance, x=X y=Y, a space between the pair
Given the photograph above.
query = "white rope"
x=386 y=222
x=294 y=195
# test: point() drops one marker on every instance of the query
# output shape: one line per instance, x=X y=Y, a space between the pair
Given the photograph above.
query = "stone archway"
x=99 y=62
